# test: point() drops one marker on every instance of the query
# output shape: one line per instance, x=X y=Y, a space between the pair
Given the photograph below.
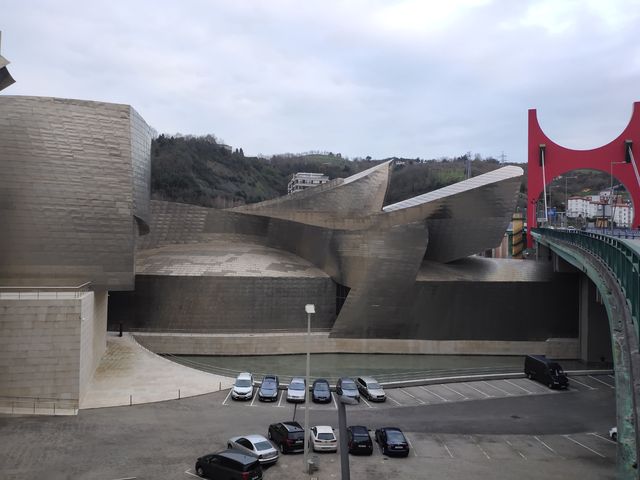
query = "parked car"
x=231 y=464
x=257 y=446
x=287 y=436
x=392 y=441
x=297 y=390
x=243 y=387
x=359 y=440
x=371 y=389
x=322 y=439
x=613 y=433
x=268 y=391
x=321 y=392
x=347 y=387
x=546 y=371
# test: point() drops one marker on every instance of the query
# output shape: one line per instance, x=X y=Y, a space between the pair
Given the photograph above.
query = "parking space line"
x=479 y=391
x=454 y=391
x=365 y=402
x=394 y=400
x=192 y=474
x=224 y=402
x=473 y=440
x=584 y=446
x=419 y=400
x=253 y=400
x=415 y=454
x=281 y=397
x=598 y=380
x=611 y=376
x=126 y=478
x=603 y=438
x=447 y=449
x=335 y=405
x=497 y=388
x=547 y=446
x=516 y=450
x=433 y=393
x=583 y=384
x=516 y=385
x=438 y=439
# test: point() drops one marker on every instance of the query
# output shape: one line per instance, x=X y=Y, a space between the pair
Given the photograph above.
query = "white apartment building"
x=599 y=206
x=302 y=180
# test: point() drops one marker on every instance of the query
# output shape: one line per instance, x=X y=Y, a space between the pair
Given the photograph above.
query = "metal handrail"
x=43 y=292
x=384 y=377
x=214 y=330
x=46 y=405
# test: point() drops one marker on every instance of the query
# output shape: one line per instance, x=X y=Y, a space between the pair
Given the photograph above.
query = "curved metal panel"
x=464 y=218
x=359 y=194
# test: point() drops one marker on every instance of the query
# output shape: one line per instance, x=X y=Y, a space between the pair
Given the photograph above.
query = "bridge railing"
x=622 y=260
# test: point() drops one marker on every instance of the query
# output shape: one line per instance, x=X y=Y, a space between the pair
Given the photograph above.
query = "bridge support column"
x=595 y=338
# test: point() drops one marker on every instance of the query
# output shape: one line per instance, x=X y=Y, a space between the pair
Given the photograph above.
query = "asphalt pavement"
x=527 y=436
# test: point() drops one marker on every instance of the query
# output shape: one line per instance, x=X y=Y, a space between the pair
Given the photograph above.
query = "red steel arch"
x=559 y=160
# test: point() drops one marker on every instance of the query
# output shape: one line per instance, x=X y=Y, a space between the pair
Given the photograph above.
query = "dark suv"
x=359 y=440
x=232 y=464
x=288 y=436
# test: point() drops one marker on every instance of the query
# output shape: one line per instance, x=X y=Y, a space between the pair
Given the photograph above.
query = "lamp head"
x=310 y=308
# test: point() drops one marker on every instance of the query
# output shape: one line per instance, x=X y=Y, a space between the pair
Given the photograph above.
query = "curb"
x=480 y=377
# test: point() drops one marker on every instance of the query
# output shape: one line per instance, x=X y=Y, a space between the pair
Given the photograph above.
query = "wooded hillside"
x=203 y=171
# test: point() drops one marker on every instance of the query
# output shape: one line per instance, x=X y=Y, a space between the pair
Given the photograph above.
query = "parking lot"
x=498 y=429
x=443 y=393
x=484 y=451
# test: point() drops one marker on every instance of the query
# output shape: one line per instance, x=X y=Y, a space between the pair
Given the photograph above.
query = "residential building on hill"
x=302 y=180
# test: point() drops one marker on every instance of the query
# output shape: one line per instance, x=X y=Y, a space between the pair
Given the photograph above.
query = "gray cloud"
x=380 y=78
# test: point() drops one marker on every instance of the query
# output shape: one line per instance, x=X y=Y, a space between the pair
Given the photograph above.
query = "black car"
x=287 y=436
x=232 y=464
x=268 y=391
x=347 y=387
x=321 y=393
x=359 y=440
x=392 y=441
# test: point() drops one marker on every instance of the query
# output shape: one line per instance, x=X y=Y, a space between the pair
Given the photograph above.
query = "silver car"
x=243 y=387
x=297 y=390
x=370 y=389
x=257 y=446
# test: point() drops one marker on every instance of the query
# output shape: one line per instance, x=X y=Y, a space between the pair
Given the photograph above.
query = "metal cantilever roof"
x=494 y=176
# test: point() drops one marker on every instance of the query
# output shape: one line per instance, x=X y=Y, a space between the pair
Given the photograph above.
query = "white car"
x=322 y=439
x=297 y=390
x=257 y=446
x=613 y=434
x=243 y=387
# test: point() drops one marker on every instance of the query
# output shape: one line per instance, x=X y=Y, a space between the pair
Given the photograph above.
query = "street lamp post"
x=309 y=308
x=611 y=193
x=566 y=198
x=343 y=400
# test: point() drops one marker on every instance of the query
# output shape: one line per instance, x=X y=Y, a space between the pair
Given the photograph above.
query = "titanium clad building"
x=397 y=272
x=74 y=195
x=74 y=190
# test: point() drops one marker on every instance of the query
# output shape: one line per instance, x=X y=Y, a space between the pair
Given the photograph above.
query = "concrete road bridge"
x=613 y=266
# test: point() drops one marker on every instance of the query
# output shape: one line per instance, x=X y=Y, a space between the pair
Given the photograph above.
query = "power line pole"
x=503 y=157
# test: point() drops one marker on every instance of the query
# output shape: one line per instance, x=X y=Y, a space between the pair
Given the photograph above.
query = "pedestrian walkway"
x=129 y=374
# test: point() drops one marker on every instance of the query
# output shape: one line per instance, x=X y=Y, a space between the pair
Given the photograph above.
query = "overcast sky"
x=410 y=78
